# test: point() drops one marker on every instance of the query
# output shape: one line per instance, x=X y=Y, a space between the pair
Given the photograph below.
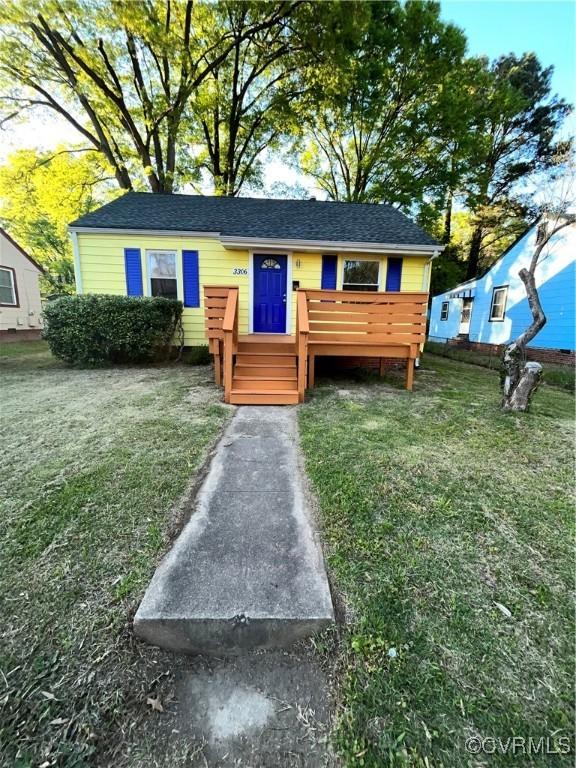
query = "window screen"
x=361 y=275
x=162 y=274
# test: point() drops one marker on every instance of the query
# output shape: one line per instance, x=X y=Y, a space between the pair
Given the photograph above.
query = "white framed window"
x=360 y=275
x=8 y=292
x=162 y=275
x=498 y=306
x=444 y=310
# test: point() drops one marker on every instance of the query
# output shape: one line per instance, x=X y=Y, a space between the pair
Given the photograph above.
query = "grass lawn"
x=449 y=531
x=92 y=464
x=555 y=375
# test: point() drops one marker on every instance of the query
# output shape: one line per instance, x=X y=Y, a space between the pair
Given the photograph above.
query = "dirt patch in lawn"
x=269 y=709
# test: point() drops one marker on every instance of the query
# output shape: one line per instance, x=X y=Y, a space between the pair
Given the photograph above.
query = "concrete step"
x=247 y=570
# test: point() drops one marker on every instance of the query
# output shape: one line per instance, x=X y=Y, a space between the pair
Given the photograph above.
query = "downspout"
x=426 y=277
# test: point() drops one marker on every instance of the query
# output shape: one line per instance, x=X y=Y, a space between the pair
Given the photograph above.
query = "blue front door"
x=270 y=283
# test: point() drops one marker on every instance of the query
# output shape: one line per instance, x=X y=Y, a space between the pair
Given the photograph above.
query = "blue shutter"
x=191 y=278
x=329 y=265
x=394 y=274
x=133 y=267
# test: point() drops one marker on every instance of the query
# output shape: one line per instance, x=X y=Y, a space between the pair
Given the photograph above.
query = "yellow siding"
x=102 y=267
x=414 y=277
x=102 y=271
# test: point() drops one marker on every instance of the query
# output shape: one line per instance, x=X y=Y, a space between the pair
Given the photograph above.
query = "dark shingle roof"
x=258 y=218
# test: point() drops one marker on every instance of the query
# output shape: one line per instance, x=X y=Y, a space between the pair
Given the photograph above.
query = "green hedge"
x=95 y=330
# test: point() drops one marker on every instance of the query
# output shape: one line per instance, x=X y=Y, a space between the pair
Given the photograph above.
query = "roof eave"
x=244 y=243
x=22 y=251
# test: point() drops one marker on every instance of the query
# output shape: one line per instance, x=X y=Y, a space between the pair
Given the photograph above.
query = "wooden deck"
x=277 y=369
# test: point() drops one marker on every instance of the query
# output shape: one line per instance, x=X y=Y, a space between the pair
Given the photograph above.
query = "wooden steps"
x=265 y=373
x=240 y=397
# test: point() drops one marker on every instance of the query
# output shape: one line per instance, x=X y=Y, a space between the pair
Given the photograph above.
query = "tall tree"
x=370 y=137
x=121 y=73
x=244 y=105
x=456 y=120
x=515 y=139
x=249 y=105
x=40 y=193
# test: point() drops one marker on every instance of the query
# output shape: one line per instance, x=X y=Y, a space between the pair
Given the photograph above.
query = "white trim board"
x=77 y=266
x=261 y=244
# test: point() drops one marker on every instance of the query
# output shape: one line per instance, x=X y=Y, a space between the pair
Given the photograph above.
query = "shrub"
x=93 y=330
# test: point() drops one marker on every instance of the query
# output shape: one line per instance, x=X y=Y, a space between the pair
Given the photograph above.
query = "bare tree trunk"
x=520 y=381
x=527 y=384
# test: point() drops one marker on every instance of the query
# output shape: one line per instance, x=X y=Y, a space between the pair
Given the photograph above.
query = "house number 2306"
x=239 y=271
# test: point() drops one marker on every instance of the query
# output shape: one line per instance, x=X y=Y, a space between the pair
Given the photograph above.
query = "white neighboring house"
x=20 y=304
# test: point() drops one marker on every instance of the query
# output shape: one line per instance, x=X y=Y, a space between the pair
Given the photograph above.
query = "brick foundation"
x=539 y=354
x=26 y=334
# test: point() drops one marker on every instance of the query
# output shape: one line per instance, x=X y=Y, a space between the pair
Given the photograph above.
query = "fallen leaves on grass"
x=155 y=704
x=503 y=610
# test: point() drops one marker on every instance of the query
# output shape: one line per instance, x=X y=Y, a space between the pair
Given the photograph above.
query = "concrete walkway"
x=247 y=570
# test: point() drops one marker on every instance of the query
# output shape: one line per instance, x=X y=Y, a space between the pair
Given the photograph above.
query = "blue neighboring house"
x=491 y=310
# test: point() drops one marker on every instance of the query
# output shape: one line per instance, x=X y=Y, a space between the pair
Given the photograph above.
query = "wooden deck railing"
x=302 y=331
x=230 y=330
x=215 y=303
x=365 y=324
x=328 y=323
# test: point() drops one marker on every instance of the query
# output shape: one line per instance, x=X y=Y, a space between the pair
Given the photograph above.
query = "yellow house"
x=262 y=252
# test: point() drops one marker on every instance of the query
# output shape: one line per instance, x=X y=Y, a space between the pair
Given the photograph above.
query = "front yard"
x=93 y=462
x=449 y=530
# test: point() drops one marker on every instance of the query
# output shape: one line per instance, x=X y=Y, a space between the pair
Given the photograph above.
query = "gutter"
x=343 y=246
x=149 y=232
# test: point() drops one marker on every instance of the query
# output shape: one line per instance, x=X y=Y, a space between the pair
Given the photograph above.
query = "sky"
x=493 y=27
x=546 y=27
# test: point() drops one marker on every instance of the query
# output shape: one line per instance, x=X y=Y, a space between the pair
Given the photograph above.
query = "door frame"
x=289 y=291
x=469 y=299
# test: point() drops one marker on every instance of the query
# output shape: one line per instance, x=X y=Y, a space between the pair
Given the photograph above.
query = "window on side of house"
x=361 y=275
x=162 y=274
x=8 y=295
x=444 y=310
x=498 y=306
